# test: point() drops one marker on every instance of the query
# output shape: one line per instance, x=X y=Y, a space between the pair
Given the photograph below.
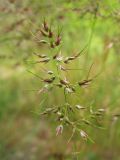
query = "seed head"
x=46 y=60
x=50 y=72
x=40 y=55
x=45 y=26
x=42 y=41
x=49 y=80
x=50 y=34
x=58 y=40
x=83 y=135
x=64 y=82
x=44 y=33
x=85 y=82
x=68 y=90
x=59 y=129
x=79 y=107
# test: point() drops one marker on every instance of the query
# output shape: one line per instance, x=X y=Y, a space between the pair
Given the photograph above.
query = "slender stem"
x=65 y=96
x=92 y=32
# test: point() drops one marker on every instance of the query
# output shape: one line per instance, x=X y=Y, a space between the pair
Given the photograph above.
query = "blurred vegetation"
x=25 y=135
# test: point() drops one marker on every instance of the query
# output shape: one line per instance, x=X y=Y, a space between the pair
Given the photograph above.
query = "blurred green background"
x=25 y=135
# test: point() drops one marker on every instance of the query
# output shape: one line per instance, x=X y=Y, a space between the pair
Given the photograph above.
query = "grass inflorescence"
x=66 y=114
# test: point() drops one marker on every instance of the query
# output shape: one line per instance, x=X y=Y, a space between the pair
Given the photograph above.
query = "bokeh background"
x=27 y=136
